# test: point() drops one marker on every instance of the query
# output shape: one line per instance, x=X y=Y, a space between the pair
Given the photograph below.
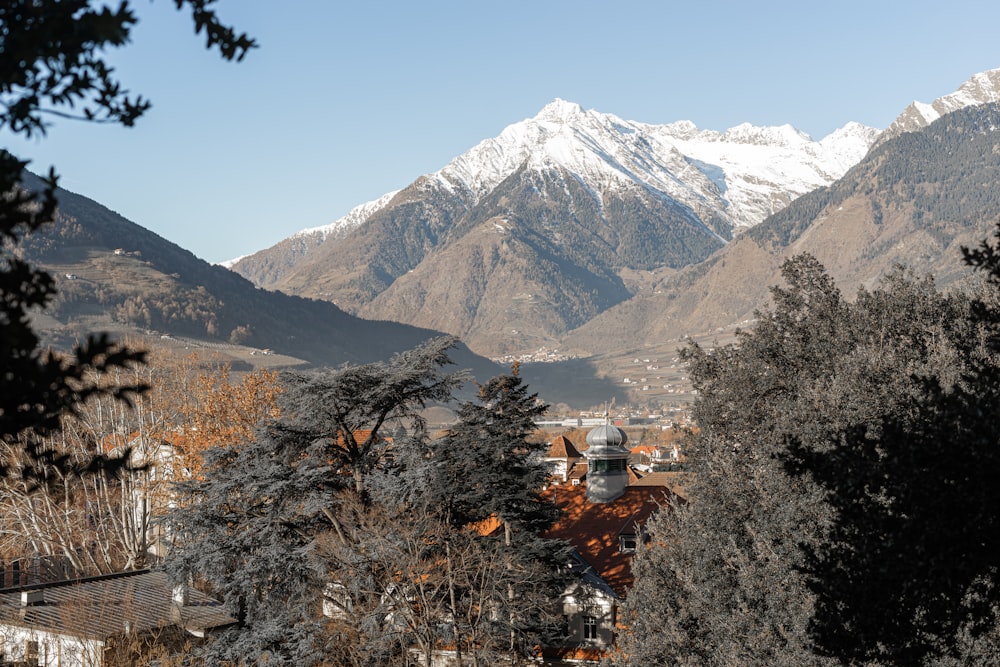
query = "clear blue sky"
x=345 y=101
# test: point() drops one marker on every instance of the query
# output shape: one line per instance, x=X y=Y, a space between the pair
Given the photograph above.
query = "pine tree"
x=489 y=467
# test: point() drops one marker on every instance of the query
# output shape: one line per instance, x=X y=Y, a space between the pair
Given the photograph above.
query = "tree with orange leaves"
x=211 y=410
x=101 y=523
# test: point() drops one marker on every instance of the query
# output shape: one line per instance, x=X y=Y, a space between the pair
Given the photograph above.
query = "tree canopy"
x=842 y=510
x=52 y=65
x=345 y=519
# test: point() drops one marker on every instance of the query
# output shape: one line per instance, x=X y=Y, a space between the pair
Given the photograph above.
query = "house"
x=117 y=619
x=603 y=518
x=564 y=458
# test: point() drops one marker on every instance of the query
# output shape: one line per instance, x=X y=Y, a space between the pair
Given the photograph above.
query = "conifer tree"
x=489 y=467
x=272 y=523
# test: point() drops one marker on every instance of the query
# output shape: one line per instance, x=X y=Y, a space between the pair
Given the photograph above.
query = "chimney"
x=32 y=598
x=180 y=595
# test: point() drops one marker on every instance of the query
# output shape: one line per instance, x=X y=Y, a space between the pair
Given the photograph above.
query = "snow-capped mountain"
x=741 y=175
x=982 y=88
x=341 y=226
x=576 y=199
x=533 y=233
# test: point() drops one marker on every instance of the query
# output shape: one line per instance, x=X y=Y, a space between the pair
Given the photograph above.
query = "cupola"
x=607 y=463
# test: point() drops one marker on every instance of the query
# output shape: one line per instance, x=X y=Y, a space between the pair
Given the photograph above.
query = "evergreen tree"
x=247 y=531
x=732 y=580
x=908 y=572
x=489 y=467
x=352 y=409
x=273 y=523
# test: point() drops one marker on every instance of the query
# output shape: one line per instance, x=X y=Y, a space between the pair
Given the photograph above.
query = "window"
x=607 y=465
x=590 y=628
x=627 y=542
x=31 y=653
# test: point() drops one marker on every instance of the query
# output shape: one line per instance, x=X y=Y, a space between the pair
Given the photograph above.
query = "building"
x=565 y=460
x=603 y=516
x=118 y=619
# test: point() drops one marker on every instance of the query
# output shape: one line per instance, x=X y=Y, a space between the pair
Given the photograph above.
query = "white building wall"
x=54 y=650
x=597 y=605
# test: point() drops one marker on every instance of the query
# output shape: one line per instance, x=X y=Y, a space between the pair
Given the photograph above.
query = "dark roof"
x=578 y=471
x=103 y=607
x=593 y=528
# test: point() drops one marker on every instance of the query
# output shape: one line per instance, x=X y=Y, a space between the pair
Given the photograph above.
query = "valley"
x=582 y=268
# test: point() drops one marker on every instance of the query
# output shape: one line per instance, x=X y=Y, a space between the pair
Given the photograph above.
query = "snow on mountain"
x=982 y=88
x=739 y=176
x=742 y=175
x=314 y=235
x=354 y=217
x=761 y=169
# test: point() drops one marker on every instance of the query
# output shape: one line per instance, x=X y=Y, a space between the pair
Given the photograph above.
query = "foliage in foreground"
x=343 y=534
x=845 y=508
x=54 y=66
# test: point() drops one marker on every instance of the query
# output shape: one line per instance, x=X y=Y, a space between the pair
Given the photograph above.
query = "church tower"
x=607 y=463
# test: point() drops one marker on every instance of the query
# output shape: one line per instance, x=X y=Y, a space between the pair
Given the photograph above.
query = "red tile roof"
x=562 y=448
x=593 y=528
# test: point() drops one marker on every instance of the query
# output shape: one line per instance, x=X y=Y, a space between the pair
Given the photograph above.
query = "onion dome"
x=607 y=463
x=608 y=437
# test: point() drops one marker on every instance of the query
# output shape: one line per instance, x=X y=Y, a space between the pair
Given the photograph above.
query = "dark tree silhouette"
x=52 y=65
x=845 y=504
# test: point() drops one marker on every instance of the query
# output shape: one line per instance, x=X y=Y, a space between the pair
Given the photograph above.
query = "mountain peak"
x=559 y=110
x=981 y=88
x=781 y=135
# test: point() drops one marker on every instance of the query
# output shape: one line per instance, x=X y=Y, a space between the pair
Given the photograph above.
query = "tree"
x=53 y=67
x=733 y=571
x=273 y=521
x=211 y=410
x=98 y=524
x=348 y=408
x=502 y=588
x=908 y=573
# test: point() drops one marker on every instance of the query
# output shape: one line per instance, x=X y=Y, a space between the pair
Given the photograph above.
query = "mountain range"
x=535 y=237
x=573 y=230
x=537 y=231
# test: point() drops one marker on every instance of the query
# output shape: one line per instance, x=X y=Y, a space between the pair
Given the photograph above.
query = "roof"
x=648 y=450
x=103 y=607
x=578 y=471
x=605 y=440
x=562 y=448
x=593 y=528
x=488 y=526
x=677 y=482
x=634 y=476
x=573 y=655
